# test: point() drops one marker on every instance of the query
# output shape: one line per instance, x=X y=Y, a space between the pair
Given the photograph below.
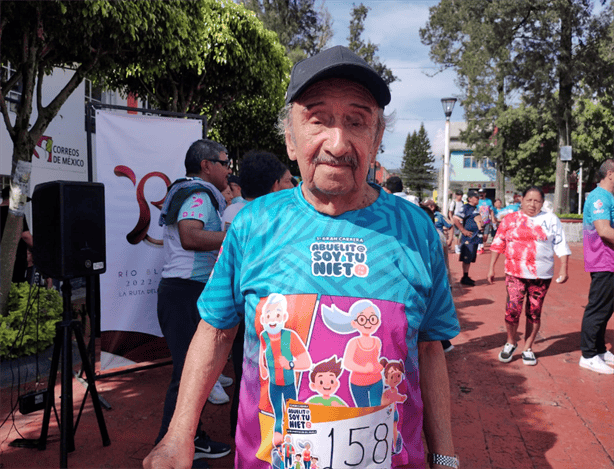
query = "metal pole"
x=580 y=191
x=446 y=167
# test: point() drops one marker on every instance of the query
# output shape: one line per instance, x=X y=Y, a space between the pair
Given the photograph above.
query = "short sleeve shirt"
x=468 y=215
x=530 y=243
x=485 y=206
x=599 y=205
x=384 y=259
x=181 y=263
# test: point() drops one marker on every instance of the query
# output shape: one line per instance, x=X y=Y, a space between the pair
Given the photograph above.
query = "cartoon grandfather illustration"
x=282 y=354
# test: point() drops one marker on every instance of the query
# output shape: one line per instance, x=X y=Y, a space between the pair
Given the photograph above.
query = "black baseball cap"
x=233 y=179
x=337 y=62
x=471 y=194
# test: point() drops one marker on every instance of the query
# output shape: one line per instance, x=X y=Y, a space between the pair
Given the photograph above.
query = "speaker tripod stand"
x=63 y=343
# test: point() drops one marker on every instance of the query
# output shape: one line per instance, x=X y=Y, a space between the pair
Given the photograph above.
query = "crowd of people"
x=335 y=292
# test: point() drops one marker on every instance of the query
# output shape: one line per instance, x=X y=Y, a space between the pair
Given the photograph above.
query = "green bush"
x=572 y=216
x=45 y=307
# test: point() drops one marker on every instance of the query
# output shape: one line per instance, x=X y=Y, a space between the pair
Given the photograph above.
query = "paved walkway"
x=554 y=415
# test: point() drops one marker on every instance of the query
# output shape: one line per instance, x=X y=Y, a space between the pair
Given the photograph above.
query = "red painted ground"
x=554 y=415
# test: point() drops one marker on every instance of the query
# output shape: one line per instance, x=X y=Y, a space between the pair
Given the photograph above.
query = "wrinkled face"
x=532 y=203
x=367 y=322
x=325 y=383
x=334 y=137
x=274 y=317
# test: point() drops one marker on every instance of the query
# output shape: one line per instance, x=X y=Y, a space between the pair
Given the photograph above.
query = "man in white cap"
x=333 y=242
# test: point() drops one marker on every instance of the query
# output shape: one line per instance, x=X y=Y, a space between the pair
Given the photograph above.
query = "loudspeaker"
x=68 y=225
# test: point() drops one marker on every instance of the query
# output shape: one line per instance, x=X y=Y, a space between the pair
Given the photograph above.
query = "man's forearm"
x=204 y=362
x=435 y=388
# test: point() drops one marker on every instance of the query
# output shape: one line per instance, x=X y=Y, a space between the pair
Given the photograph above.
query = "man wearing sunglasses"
x=192 y=229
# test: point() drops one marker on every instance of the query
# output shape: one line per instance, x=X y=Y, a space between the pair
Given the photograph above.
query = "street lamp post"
x=448 y=105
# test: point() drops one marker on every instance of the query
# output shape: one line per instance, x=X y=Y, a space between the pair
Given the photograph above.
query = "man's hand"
x=172 y=452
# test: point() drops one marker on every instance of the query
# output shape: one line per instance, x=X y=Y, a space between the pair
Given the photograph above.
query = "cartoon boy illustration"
x=324 y=379
x=297 y=463
x=362 y=353
x=282 y=353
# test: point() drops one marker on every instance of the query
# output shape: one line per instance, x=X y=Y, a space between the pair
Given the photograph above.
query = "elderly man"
x=334 y=240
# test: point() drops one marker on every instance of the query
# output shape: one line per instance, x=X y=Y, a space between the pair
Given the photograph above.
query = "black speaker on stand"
x=68 y=222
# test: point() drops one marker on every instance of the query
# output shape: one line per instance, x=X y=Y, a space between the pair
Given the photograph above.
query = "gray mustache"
x=333 y=161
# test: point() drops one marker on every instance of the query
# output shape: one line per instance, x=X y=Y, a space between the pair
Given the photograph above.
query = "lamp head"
x=448 y=106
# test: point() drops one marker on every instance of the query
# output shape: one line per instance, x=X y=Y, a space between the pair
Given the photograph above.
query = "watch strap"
x=447 y=461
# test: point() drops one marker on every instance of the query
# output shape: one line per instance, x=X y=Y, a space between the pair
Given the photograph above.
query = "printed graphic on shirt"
x=328 y=352
x=337 y=257
x=530 y=243
x=342 y=437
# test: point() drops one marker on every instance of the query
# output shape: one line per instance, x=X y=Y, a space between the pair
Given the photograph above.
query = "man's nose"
x=337 y=141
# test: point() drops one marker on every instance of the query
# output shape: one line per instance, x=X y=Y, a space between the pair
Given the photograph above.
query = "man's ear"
x=276 y=186
x=378 y=142
x=290 y=145
x=204 y=166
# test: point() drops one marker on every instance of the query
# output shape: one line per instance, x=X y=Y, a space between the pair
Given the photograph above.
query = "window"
x=13 y=97
x=470 y=162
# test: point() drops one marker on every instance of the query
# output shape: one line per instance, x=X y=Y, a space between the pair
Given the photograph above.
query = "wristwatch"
x=291 y=363
x=448 y=461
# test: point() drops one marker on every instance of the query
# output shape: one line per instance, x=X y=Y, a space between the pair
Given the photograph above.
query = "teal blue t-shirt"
x=375 y=274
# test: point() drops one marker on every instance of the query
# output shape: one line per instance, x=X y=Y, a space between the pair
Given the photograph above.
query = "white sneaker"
x=596 y=364
x=607 y=357
x=225 y=381
x=218 y=395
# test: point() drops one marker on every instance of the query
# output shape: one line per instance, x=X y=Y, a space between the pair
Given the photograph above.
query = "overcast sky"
x=416 y=97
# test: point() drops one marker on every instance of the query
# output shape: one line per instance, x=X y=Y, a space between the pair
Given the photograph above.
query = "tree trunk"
x=561 y=203
x=8 y=249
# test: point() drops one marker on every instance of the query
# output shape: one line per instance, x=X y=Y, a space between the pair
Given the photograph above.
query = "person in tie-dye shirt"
x=529 y=239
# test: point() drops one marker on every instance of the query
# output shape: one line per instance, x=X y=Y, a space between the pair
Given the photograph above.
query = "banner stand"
x=93 y=282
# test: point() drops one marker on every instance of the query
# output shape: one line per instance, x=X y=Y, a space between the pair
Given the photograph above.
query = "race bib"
x=343 y=437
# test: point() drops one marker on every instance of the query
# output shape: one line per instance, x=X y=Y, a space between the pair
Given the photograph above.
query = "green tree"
x=592 y=138
x=540 y=49
x=89 y=37
x=531 y=138
x=366 y=50
x=417 y=169
x=207 y=56
x=302 y=29
x=239 y=84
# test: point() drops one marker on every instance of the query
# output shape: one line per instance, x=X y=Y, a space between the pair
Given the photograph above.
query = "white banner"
x=137 y=157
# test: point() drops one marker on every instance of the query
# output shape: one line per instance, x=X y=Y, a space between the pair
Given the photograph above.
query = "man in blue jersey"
x=327 y=245
x=193 y=236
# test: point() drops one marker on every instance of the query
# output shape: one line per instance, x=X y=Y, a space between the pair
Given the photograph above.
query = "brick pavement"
x=554 y=415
